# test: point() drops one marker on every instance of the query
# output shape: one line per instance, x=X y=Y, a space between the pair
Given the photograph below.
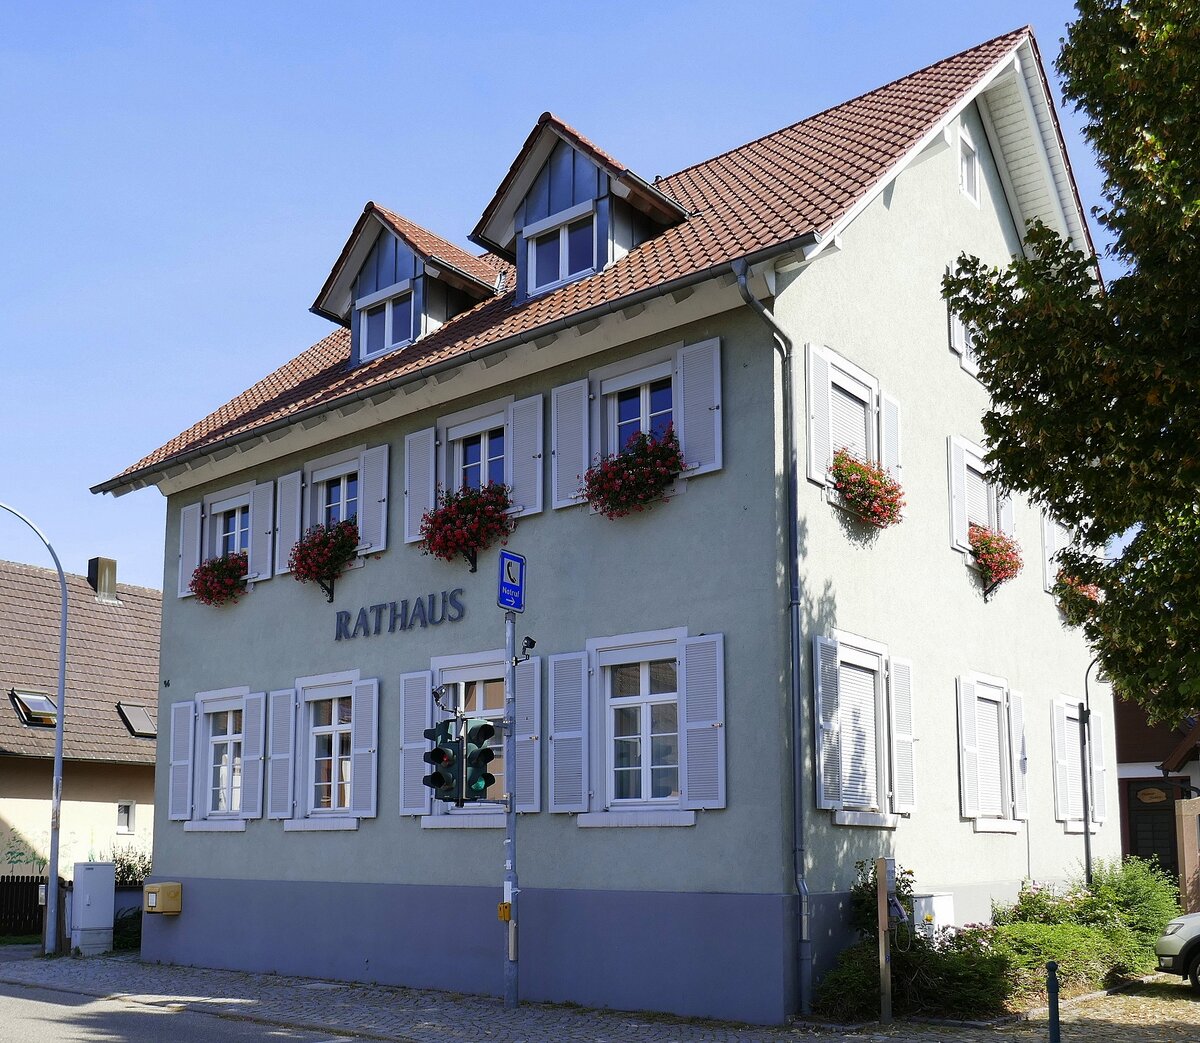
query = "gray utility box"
x=93 y=906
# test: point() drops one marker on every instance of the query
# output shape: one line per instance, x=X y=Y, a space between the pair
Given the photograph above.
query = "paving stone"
x=1163 y=1011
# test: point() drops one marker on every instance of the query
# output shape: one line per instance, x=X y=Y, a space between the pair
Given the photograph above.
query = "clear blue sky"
x=178 y=179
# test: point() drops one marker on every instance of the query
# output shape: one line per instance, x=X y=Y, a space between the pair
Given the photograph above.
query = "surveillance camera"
x=527 y=643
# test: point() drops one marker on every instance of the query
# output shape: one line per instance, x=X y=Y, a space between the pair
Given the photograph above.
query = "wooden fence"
x=20 y=912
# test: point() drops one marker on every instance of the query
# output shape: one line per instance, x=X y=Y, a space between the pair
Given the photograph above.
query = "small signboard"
x=511 y=591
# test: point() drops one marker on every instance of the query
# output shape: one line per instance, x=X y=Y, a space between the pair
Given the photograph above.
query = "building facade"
x=110 y=726
x=734 y=695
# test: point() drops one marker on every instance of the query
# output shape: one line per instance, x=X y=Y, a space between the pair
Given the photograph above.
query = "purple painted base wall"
x=702 y=955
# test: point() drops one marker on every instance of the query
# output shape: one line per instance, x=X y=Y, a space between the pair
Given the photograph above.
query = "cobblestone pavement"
x=1163 y=1011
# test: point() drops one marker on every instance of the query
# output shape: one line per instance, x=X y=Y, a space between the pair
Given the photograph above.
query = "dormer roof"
x=795 y=189
x=496 y=232
x=477 y=276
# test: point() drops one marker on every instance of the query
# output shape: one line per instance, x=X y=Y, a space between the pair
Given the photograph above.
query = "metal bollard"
x=1052 y=995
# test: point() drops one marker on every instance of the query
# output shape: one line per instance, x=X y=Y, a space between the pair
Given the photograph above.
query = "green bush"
x=1142 y=894
x=956 y=974
x=130 y=866
x=1088 y=957
x=863 y=899
x=127 y=930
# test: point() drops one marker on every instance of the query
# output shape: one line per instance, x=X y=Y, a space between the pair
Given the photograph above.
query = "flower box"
x=866 y=489
x=323 y=553
x=466 y=522
x=997 y=555
x=636 y=478
x=220 y=580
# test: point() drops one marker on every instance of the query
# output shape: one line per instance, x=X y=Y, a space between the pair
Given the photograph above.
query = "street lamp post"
x=60 y=715
x=1085 y=771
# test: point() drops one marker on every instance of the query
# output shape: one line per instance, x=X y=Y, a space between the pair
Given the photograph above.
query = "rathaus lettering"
x=393 y=616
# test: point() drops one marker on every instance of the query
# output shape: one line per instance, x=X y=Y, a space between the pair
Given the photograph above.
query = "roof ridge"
x=1024 y=30
x=73 y=575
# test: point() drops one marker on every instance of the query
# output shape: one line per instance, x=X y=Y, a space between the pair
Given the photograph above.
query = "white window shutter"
x=416 y=714
x=820 y=451
x=889 y=435
x=420 y=480
x=829 y=737
x=373 y=499
x=364 y=748
x=1018 y=755
x=1005 y=520
x=528 y=781
x=958 y=494
x=702 y=722
x=254 y=729
x=1062 y=773
x=1099 y=771
x=281 y=738
x=968 y=750
x=262 y=528
x=569 y=732
x=189 y=545
x=570 y=455
x=523 y=457
x=288 y=490
x=183 y=741
x=698 y=410
x=904 y=796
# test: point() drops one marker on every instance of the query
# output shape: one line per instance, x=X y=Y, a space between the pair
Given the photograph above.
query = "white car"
x=1178 y=948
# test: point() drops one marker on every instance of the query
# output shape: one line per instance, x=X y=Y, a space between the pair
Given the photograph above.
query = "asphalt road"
x=48 y=1016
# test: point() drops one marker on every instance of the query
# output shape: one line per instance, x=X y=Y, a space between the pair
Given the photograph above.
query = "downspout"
x=783 y=344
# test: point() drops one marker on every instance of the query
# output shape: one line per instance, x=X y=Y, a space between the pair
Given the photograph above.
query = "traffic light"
x=446 y=758
x=478 y=757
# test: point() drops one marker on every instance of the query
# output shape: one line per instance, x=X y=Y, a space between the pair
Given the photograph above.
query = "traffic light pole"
x=511 y=891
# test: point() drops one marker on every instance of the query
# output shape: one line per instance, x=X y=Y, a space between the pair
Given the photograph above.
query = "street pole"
x=511 y=890
x=59 y=718
x=1084 y=759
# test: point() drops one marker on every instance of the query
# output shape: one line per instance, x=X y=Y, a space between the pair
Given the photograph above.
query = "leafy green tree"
x=1096 y=391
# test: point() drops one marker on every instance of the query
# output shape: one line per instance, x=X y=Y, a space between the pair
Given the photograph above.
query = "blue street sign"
x=511 y=592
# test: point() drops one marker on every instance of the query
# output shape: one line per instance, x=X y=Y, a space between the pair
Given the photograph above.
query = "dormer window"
x=386 y=320
x=562 y=247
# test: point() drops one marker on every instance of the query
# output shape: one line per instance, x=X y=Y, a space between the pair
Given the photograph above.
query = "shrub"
x=1141 y=892
x=131 y=866
x=466 y=522
x=127 y=930
x=955 y=974
x=1088 y=957
x=867 y=489
x=863 y=901
x=997 y=555
x=633 y=479
x=220 y=579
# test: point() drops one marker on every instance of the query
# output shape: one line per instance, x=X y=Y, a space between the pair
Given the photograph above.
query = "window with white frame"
x=1068 y=743
x=1055 y=537
x=975 y=499
x=231 y=527
x=216 y=759
x=637 y=729
x=847 y=410
x=231 y=521
x=968 y=165
x=865 y=749
x=962 y=343
x=678 y=387
x=474 y=451
x=992 y=753
x=330 y=720
x=385 y=320
x=336 y=493
x=473 y=681
x=560 y=248
x=125 y=817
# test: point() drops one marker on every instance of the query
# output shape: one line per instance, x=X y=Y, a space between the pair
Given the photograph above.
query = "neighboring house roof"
x=783 y=191
x=112 y=656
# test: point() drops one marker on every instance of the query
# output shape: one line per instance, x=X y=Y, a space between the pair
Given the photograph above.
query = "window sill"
x=997 y=825
x=215 y=825
x=471 y=820
x=865 y=818
x=318 y=825
x=1076 y=826
x=619 y=819
x=541 y=291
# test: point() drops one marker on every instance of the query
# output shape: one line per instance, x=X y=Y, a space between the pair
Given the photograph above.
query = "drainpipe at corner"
x=783 y=344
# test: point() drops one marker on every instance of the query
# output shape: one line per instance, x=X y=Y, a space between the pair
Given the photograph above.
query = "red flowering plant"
x=633 y=479
x=867 y=489
x=467 y=521
x=219 y=580
x=1076 y=600
x=997 y=555
x=323 y=552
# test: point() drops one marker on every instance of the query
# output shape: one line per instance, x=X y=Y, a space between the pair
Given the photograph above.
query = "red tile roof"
x=752 y=199
x=112 y=656
x=431 y=245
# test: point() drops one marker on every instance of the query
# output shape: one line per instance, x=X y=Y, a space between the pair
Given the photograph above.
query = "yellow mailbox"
x=163 y=897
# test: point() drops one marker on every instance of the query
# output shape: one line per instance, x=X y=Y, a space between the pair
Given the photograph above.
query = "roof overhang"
x=496 y=229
